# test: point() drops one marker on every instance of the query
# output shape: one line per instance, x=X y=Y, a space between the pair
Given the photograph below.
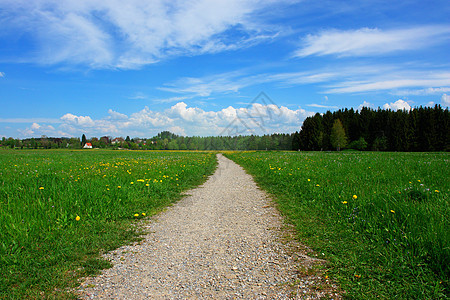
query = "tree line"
x=163 y=141
x=419 y=129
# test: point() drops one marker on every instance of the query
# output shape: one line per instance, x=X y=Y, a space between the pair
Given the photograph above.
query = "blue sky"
x=137 y=67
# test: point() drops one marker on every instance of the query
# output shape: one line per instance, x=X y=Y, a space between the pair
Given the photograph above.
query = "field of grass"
x=380 y=219
x=60 y=209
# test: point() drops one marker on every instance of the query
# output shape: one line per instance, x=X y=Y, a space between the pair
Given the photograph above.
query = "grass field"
x=60 y=209
x=380 y=219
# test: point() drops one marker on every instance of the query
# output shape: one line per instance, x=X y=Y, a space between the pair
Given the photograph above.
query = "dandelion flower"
x=309 y=179
x=393 y=211
x=136 y=215
x=119 y=187
x=344 y=202
x=77 y=218
x=355 y=197
x=436 y=191
x=357 y=276
x=132 y=182
x=317 y=185
x=143 y=214
x=41 y=188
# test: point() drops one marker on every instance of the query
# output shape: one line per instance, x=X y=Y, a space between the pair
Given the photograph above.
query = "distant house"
x=117 y=140
x=87 y=146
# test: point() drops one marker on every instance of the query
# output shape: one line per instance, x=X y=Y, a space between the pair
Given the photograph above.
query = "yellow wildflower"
x=436 y=191
x=355 y=197
x=77 y=218
x=143 y=214
x=344 y=202
x=393 y=211
x=119 y=187
x=41 y=188
x=309 y=179
x=136 y=215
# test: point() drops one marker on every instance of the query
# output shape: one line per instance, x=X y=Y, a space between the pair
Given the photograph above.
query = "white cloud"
x=37 y=130
x=177 y=130
x=365 y=104
x=397 y=105
x=2 y=74
x=445 y=100
x=372 y=41
x=182 y=119
x=83 y=121
x=113 y=115
x=130 y=34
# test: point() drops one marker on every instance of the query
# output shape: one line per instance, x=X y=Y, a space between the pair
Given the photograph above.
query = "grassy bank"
x=60 y=209
x=380 y=219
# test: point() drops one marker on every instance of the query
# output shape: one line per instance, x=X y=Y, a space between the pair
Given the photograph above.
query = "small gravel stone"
x=222 y=241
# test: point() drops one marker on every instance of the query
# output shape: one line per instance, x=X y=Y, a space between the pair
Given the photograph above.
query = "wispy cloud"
x=228 y=82
x=171 y=99
x=322 y=106
x=2 y=74
x=372 y=41
x=138 y=96
x=418 y=80
x=30 y=120
x=336 y=79
x=420 y=92
x=114 y=34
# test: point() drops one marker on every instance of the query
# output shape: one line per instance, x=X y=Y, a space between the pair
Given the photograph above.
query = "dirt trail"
x=223 y=241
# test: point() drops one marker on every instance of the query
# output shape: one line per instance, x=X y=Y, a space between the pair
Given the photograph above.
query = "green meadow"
x=381 y=220
x=59 y=209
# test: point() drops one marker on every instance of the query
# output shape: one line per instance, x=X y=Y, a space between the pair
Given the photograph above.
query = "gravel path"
x=223 y=241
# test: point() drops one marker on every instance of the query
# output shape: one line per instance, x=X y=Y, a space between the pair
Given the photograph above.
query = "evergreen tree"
x=83 y=140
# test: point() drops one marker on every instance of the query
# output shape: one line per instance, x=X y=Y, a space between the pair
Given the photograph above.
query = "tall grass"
x=381 y=219
x=60 y=209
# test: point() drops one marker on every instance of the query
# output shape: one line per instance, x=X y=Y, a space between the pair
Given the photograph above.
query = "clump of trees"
x=419 y=129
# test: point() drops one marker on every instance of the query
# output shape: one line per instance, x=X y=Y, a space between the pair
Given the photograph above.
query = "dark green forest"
x=420 y=129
